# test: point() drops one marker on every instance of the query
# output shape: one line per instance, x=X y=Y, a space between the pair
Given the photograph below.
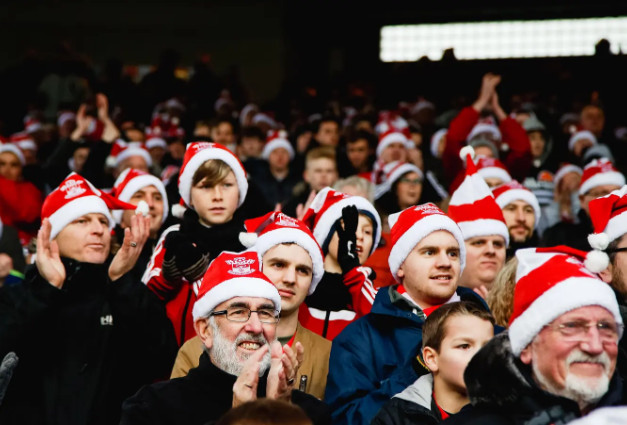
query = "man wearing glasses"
x=235 y=316
x=558 y=360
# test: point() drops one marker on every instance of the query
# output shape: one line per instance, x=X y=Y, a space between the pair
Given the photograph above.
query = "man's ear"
x=204 y=332
x=400 y=273
x=525 y=355
x=430 y=356
x=606 y=275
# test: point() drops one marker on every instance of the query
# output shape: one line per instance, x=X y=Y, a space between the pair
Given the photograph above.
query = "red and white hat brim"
x=484 y=128
x=136 y=184
x=275 y=144
x=495 y=173
x=600 y=179
x=382 y=188
x=392 y=138
x=580 y=135
x=484 y=227
x=77 y=208
x=616 y=226
x=512 y=195
x=133 y=151
x=9 y=147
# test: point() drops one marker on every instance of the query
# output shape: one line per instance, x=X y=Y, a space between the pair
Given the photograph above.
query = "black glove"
x=6 y=371
x=347 y=243
x=183 y=258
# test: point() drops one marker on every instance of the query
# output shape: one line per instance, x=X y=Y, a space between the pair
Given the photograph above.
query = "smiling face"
x=154 y=199
x=86 y=239
x=520 y=218
x=215 y=204
x=431 y=270
x=485 y=257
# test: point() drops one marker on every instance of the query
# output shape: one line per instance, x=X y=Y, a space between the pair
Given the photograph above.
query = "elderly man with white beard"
x=235 y=316
x=557 y=361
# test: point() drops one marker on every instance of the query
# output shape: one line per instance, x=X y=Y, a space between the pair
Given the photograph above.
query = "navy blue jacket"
x=373 y=358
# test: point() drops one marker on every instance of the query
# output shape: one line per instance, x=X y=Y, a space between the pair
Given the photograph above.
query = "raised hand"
x=83 y=122
x=245 y=387
x=48 y=261
x=488 y=86
x=278 y=387
x=347 y=239
x=110 y=133
x=134 y=239
x=292 y=359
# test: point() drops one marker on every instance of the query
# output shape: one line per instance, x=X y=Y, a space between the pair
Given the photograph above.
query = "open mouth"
x=441 y=277
x=250 y=345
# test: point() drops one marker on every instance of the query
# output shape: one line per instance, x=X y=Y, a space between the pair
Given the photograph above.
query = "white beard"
x=224 y=352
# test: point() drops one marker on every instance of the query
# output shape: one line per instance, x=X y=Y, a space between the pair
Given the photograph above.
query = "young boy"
x=452 y=334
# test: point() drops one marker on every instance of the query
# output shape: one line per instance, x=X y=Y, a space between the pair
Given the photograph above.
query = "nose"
x=150 y=202
x=490 y=250
x=254 y=325
x=359 y=234
x=217 y=192
x=289 y=276
x=520 y=215
x=443 y=260
x=593 y=344
x=97 y=227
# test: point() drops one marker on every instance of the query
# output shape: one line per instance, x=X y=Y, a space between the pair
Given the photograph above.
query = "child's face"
x=364 y=239
x=216 y=204
x=464 y=336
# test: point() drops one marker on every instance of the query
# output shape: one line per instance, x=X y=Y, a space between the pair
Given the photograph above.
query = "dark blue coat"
x=372 y=359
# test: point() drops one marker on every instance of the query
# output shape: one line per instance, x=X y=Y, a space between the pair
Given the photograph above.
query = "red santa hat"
x=487 y=128
x=24 y=141
x=435 y=141
x=31 y=124
x=156 y=142
x=129 y=182
x=326 y=210
x=122 y=150
x=609 y=218
x=412 y=225
x=264 y=118
x=549 y=283
x=474 y=209
x=196 y=154
x=65 y=117
x=513 y=191
x=15 y=150
x=492 y=168
x=563 y=170
x=275 y=228
x=233 y=275
x=392 y=136
x=277 y=139
x=599 y=172
x=76 y=197
x=391 y=120
x=391 y=173
x=581 y=135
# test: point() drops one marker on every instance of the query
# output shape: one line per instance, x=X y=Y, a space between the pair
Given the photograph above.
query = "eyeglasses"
x=577 y=331
x=242 y=314
x=611 y=251
x=410 y=181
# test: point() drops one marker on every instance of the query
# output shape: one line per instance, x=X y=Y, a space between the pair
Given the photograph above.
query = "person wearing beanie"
x=291 y=258
x=557 y=361
x=521 y=211
x=235 y=318
x=483 y=227
x=466 y=126
x=348 y=230
x=580 y=141
x=493 y=171
x=213 y=185
x=401 y=188
x=374 y=357
x=599 y=179
x=103 y=333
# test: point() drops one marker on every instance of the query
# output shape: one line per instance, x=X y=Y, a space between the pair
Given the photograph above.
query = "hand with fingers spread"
x=347 y=239
x=134 y=239
x=488 y=86
x=292 y=359
x=278 y=387
x=83 y=121
x=245 y=387
x=110 y=132
x=48 y=260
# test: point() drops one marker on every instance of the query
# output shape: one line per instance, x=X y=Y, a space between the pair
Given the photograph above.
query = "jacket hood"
x=419 y=392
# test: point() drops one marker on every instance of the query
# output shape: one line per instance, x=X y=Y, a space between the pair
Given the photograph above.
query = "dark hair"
x=253 y=132
x=363 y=134
x=214 y=122
x=213 y=170
x=265 y=411
x=434 y=329
x=326 y=118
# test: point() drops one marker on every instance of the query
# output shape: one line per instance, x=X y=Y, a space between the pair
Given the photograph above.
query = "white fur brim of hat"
x=512 y=195
x=185 y=179
x=484 y=227
x=393 y=138
x=275 y=144
x=435 y=141
x=268 y=240
x=156 y=142
x=136 y=184
x=600 y=179
x=236 y=287
x=495 y=173
x=580 y=135
x=417 y=232
x=322 y=229
x=565 y=170
x=565 y=296
x=386 y=186
x=132 y=151
x=27 y=145
x=482 y=128
x=9 y=147
x=616 y=227
x=75 y=209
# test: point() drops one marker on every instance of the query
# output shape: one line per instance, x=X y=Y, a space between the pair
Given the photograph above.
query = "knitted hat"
x=492 y=168
x=609 y=218
x=549 y=283
x=275 y=140
x=412 y=225
x=514 y=191
x=435 y=141
x=597 y=152
x=275 y=228
x=76 y=197
x=122 y=150
x=326 y=209
x=233 y=275
x=392 y=136
x=14 y=149
x=196 y=154
x=474 y=209
x=484 y=128
x=565 y=169
x=129 y=182
x=580 y=135
x=599 y=172
x=156 y=142
x=392 y=172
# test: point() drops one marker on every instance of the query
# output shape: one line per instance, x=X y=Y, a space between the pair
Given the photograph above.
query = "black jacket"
x=574 y=235
x=502 y=391
x=83 y=348
x=201 y=397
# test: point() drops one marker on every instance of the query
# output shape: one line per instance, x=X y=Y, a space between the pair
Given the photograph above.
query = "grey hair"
x=360 y=183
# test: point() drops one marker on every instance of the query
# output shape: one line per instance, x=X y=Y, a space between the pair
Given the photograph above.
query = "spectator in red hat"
x=105 y=333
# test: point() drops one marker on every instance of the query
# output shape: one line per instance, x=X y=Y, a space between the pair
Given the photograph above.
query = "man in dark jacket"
x=86 y=334
x=373 y=358
x=558 y=360
x=242 y=361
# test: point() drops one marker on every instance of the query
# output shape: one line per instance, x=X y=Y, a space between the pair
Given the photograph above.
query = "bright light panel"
x=504 y=39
